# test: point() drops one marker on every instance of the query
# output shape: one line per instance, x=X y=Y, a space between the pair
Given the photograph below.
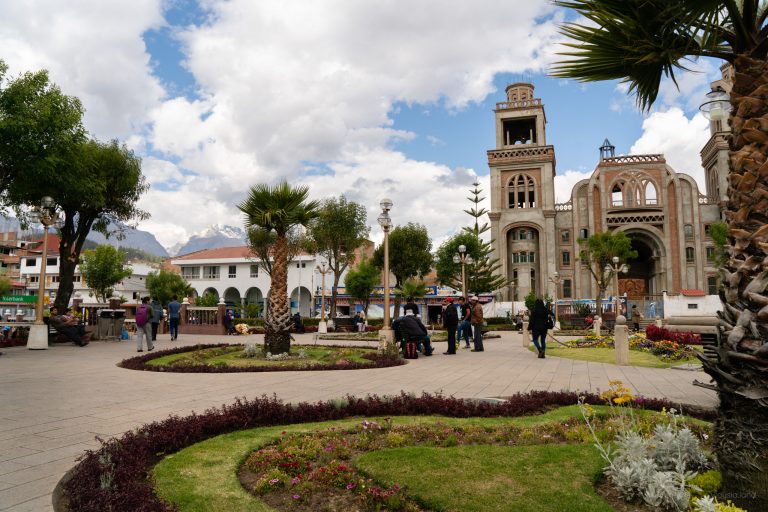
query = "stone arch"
x=232 y=295
x=301 y=301
x=630 y=189
x=650 y=267
x=254 y=295
x=522 y=191
x=212 y=290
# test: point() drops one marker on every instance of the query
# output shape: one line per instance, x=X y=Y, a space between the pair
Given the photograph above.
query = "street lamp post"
x=555 y=279
x=322 y=327
x=463 y=258
x=613 y=273
x=386 y=334
x=47 y=215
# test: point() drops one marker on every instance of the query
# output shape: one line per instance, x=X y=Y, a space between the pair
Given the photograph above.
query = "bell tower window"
x=519 y=131
x=521 y=191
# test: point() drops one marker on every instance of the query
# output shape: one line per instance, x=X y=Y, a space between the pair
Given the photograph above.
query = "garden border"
x=116 y=476
x=140 y=362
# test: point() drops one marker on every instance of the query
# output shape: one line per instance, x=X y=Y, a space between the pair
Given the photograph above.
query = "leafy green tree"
x=639 y=42
x=411 y=288
x=361 y=281
x=719 y=233
x=163 y=285
x=409 y=255
x=598 y=250
x=102 y=268
x=337 y=232
x=448 y=272
x=5 y=285
x=207 y=300
x=39 y=127
x=280 y=209
x=483 y=273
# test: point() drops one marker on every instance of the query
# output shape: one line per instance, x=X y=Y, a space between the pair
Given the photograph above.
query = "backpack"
x=411 y=350
x=142 y=315
x=550 y=322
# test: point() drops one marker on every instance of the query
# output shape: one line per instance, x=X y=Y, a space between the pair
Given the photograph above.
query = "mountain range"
x=212 y=237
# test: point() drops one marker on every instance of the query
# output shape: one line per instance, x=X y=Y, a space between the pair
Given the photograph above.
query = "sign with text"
x=19 y=299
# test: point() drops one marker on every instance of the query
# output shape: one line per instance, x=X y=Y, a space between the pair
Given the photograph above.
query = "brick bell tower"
x=522 y=194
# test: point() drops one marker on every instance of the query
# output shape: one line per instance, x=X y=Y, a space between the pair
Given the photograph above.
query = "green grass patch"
x=608 y=355
x=203 y=477
x=233 y=356
x=493 y=478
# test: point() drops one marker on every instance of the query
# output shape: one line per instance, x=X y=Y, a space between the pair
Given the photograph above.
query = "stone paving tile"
x=45 y=425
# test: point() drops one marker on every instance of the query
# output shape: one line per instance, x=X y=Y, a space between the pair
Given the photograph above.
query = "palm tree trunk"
x=740 y=370
x=277 y=336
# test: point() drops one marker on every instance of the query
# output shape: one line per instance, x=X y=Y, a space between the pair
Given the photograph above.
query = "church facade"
x=663 y=211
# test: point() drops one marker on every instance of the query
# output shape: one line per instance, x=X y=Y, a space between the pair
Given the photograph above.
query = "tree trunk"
x=66 y=282
x=740 y=368
x=333 y=294
x=277 y=337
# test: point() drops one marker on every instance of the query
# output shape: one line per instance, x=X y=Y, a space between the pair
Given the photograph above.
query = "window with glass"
x=690 y=255
x=710 y=254
x=521 y=192
x=232 y=271
x=567 y=289
x=566 y=258
x=583 y=233
x=34 y=279
x=190 y=272
x=31 y=262
x=523 y=257
x=531 y=257
x=688 y=231
x=565 y=236
x=254 y=271
x=211 y=272
x=533 y=281
x=712 y=285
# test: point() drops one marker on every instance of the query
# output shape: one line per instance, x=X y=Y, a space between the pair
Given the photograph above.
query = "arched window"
x=650 y=194
x=521 y=191
x=617 y=194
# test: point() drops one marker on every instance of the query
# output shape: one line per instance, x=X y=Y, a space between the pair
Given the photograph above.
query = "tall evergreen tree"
x=483 y=274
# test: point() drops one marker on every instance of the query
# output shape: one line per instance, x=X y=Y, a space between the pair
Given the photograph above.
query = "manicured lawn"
x=608 y=355
x=493 y=478
x=233 y=356
x=552 y=477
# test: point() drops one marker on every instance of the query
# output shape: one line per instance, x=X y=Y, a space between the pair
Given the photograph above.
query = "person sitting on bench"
x=68 y=326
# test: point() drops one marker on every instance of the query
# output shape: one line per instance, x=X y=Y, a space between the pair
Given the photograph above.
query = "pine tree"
x=482 y=274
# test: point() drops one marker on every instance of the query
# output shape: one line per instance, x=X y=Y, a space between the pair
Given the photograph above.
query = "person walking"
x=174 y=315
x=636 y=317
x=538 y=325
x=476 y=319
x=156 y=318
x=465 y=328
x=143 y=325
x=450 y=321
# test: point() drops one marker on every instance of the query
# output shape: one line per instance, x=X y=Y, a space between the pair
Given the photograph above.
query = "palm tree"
x=278 y=209
x=637 y=42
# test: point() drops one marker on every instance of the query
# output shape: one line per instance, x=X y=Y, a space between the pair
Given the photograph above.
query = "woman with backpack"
x=144 y=325
x=539 y=323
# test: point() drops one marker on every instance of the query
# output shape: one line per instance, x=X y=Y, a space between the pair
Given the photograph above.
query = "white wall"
x=680 y=305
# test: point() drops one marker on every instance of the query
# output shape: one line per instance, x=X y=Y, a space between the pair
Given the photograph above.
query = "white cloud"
x=678 y=137
x=564 y=183
x=93 y=50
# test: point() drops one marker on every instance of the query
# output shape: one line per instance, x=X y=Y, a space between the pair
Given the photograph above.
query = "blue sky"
x=361 y=99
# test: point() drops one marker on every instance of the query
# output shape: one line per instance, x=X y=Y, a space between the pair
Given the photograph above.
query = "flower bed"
x=664 y=349
x=115 y=477
x=655 y=333
x=141 y=363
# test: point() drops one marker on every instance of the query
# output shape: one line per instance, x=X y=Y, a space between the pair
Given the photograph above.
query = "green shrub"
x=709 y=482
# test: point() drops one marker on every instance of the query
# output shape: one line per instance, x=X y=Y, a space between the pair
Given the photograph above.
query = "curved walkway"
x=53 y=403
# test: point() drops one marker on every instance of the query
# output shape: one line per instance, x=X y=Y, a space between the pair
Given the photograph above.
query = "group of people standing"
x=464 y=319
x=148 y=318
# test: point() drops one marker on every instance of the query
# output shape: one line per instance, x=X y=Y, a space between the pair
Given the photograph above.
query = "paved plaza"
x=53 y=403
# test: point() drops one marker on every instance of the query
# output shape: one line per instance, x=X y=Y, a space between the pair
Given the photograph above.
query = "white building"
x=231 y=273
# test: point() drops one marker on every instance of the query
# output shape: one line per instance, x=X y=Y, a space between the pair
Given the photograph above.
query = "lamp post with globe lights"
x=613 y=273
x=48 y=215
x=465 y=259
x=324 y=269
x=385 y=221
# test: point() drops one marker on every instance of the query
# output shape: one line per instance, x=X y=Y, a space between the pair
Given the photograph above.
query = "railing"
x=708 y=200
x=536 y=102
x=619 y=203
x=202 y=315
x=564 y=207
x=527 y=153
x=633 y=159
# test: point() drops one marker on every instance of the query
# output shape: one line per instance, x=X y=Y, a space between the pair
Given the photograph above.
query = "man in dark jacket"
x=450 y=321
x=410 y=328
x=410 y=305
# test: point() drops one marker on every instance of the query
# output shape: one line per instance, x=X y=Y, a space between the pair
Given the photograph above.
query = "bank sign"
x=18 y=299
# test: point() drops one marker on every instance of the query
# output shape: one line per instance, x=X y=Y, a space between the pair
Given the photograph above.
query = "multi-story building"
x=660 y=209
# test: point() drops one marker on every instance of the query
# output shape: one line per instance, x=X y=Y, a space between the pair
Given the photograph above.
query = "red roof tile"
x=693 y=293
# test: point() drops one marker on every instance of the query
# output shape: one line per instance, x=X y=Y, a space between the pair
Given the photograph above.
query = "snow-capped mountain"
x=212 y=237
